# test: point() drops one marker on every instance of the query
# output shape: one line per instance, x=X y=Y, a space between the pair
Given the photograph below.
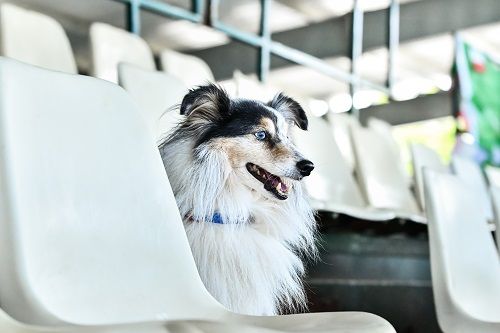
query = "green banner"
x=479 y=83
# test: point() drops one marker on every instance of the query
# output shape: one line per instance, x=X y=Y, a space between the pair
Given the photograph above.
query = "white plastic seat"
x=249 y=87
x=91 y=239
x=385 y=131
x=35 y=39
x=464 y=262
x=493 y=175
x=189 y=69
x=331 y=185
x=495 y=198
x=380 y=176
x=341 y=124
x=424 y=157
x=471 y=174
x=157 y=94
x=110 y=46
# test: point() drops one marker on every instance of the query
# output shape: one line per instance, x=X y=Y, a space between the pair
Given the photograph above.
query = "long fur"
x=251 y=263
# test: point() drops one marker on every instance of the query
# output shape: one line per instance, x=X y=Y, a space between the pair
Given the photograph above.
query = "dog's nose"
x=305 y=167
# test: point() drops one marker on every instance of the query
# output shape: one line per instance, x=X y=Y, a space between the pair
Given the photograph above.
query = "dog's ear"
x=291 y=110
x=206 y=103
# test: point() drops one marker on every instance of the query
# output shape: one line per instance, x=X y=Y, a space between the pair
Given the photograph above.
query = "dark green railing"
x=206 y=12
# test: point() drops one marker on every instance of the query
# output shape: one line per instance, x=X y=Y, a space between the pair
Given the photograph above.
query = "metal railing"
x=268 y=47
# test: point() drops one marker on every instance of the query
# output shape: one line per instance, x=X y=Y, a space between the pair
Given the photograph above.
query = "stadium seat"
x=35 y=39
x=341 y=124
x=471 y=174
x=424 y=157
x=464 y=262
x=381 y=176
x=495 y=197
x=331 y=186
x=493 y=175
x=156 y=93
x=91 y=239
x=189 y=69
x=385 y=130
x=249 y=87
x=110 y=46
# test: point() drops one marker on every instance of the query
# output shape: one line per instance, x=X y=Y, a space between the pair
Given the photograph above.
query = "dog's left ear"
x=291 y=110
x=208 y=103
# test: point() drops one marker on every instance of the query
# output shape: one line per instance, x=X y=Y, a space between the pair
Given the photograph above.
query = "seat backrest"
x=341 y=124
x=157 y=94
x=423 y=156
x=89 y=229
x=385 y=131
x=379 y=172
x=465 y=264
x=110 y=46
x=471 y=174
x=249 y=87
x=332 y=180
x=493 y=175
x=189 y=69
x=35 y=39
x=495 y=197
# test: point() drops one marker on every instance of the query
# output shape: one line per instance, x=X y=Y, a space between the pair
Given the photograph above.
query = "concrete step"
x=382 y=268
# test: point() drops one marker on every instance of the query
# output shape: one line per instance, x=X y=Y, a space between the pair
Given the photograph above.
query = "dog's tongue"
x=271 y=182
x=275 y=181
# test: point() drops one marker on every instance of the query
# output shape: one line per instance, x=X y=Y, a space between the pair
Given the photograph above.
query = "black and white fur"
x=251 y=263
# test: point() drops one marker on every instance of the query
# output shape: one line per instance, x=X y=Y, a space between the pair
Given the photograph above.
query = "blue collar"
x=216 y=218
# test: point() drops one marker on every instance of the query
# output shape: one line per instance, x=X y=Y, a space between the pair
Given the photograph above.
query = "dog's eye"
x=260 y=135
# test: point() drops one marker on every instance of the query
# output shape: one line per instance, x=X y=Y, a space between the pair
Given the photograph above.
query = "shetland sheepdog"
x=236 y=173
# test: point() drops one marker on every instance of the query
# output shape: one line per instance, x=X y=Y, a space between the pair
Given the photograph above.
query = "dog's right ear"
x=208 y=103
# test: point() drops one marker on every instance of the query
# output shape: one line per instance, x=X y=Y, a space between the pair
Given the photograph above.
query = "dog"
x=235 y=174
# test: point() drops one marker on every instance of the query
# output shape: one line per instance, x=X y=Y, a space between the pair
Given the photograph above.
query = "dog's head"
x=253 y=136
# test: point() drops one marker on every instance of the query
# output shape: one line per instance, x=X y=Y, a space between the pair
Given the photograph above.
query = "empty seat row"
x=332 y=186
x=467 y=170
x=382 y=194
x=375 y=180
x=40 y=40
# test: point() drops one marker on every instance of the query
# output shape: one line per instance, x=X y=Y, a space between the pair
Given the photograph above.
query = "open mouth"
x=272 y=183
